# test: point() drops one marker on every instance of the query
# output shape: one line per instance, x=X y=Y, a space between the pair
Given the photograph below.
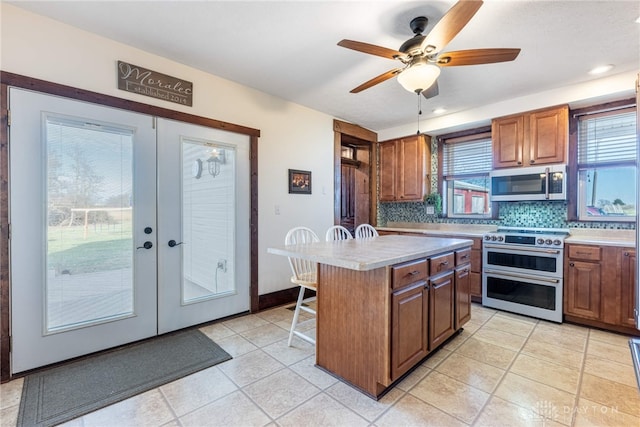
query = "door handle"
x=146 y=245
x=173 y=243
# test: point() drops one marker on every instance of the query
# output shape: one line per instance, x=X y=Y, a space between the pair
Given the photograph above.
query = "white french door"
x=96 y=194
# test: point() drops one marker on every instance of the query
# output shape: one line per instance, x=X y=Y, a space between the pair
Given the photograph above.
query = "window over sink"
x=466 y=163
x=607 y=166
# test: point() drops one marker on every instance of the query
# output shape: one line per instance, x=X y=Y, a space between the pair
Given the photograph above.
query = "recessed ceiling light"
x=601 y=69
x=439 y=110
x=638 y=20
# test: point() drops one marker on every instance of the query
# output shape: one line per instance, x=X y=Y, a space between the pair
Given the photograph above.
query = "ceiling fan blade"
x=450 y=25
x=379 y=79
x=476 y=56
x=431 y=91
x=371 y=49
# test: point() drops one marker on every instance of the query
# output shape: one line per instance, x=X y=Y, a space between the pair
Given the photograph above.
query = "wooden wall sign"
x=132 y=78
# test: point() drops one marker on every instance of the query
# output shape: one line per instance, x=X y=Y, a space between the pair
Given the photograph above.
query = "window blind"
x=606 y=139
x=467 y=158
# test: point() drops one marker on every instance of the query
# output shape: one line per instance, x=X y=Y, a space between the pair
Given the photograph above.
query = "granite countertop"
x=372 y=253
x=592 y=236
x=464 y=230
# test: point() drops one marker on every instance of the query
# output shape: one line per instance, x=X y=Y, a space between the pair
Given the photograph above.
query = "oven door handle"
x=511 y=248
x=522 y=276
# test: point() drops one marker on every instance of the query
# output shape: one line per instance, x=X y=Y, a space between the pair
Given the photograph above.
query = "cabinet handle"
x=626 y=254
x=532 y=161
x=464 y=257
x=583 y=253
x=571 y=264
x=444 y=263
x=519 y=163
x=426 y=286
x=414 y=272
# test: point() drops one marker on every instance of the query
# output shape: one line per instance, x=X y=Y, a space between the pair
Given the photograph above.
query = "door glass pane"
x=208 y=218
x=89 y=223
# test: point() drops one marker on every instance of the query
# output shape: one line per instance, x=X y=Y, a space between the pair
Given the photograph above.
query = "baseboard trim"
x=278 y=298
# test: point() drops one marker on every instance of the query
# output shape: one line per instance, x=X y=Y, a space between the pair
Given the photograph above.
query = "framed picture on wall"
x=299 y=182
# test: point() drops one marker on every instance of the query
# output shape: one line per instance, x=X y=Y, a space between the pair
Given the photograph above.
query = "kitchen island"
x=385 y=303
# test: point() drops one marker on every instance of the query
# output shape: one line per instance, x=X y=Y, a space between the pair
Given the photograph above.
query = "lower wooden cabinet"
x=627 y=292
x=409 y=308
x=441 y=309
x=582 y=289
x=463 y=295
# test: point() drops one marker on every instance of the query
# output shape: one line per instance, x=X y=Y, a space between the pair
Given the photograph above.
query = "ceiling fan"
x=422 y=56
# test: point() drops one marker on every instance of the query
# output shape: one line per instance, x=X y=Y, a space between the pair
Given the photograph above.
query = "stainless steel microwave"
x=529 y=183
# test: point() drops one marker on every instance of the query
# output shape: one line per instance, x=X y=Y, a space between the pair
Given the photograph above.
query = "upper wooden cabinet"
x=403 y=165
x=532 y=138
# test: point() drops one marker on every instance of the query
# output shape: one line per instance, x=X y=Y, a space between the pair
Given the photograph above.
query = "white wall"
x=292 y=136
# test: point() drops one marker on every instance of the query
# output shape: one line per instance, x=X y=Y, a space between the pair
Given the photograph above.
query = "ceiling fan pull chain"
x=419 y=111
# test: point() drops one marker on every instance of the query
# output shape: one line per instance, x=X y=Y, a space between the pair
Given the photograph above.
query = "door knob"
x=146 y=245
x=173 y=243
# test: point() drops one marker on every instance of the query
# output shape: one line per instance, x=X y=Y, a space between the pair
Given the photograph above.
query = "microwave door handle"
x=546 y=183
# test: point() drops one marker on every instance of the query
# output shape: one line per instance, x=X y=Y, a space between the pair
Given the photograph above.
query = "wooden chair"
x=365 y=231
x=337 y=232
x=305 y=275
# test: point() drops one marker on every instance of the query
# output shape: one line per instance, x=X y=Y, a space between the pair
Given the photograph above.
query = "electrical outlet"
x=222 y=265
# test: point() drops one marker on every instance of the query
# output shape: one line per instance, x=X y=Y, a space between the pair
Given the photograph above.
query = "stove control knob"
x=487 y=237
x=557 y=242
x=548 y=241
x=494 y=238
x=500 y=238
x=540 y=241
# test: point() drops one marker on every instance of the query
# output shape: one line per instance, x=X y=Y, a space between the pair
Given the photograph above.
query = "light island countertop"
x=435 y=229
x=372 y=253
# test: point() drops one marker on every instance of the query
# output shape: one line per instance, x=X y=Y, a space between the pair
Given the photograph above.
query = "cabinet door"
x=441 y=309
x=548 y=135
x=408 y=328
x=508 y=138
x=388 y=171
x=410 y=180
x=463 y=295
x=582 y=289
x=628 y=288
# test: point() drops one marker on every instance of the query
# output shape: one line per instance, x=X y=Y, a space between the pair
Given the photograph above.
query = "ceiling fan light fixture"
x=419 y=76
x=601 y=69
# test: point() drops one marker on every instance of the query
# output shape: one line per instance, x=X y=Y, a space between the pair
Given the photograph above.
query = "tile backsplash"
x=511 y=214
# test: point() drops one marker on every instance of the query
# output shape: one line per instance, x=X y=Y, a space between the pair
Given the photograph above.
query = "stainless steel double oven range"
x=523 y=270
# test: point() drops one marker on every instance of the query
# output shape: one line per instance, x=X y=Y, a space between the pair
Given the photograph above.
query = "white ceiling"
x=288 y=48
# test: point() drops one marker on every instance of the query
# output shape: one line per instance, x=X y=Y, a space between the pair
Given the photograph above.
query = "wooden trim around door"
x=25 y=82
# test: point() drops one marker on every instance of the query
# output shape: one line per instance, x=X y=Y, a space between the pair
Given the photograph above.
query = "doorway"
x=113 y=231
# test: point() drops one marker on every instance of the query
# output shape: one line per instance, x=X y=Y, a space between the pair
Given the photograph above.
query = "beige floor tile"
x=9 y=415
x=236 y=345
x=235 y=409
x=492 y=354
x=289 y=355
x=244 y=323
x=457 y=340
x=610 y=337
x=611 y=394
x=500 y=412
x=148 y=408
x=436 y=358
x=566 y=336
x=304 y=324
x=308 y=370
x=604 y=350
x=217 y=331
x=362 y=404
x=413 y=378
x=606 y=368
x=321 y=410
x=250 y=367
x=481 y=314
x=553 y=353
x=279 y=393
x=548 y=373
x=471 y=372
x=275 y=315
x=500 y=338
x=471 y=326
x=451 y=396
x=265 y=335
x=10 y=393
x=519 y=317
x=592 y=414
x=410 y=411
x=510 y=325
x=197 y=390
x=542 y=399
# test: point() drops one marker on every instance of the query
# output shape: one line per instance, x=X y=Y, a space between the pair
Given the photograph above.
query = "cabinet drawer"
x=442 y=263
x=409 y=272
x=591 y=253
x=463 y=256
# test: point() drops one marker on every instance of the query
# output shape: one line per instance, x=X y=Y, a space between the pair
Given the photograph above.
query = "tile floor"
x=502 y=370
